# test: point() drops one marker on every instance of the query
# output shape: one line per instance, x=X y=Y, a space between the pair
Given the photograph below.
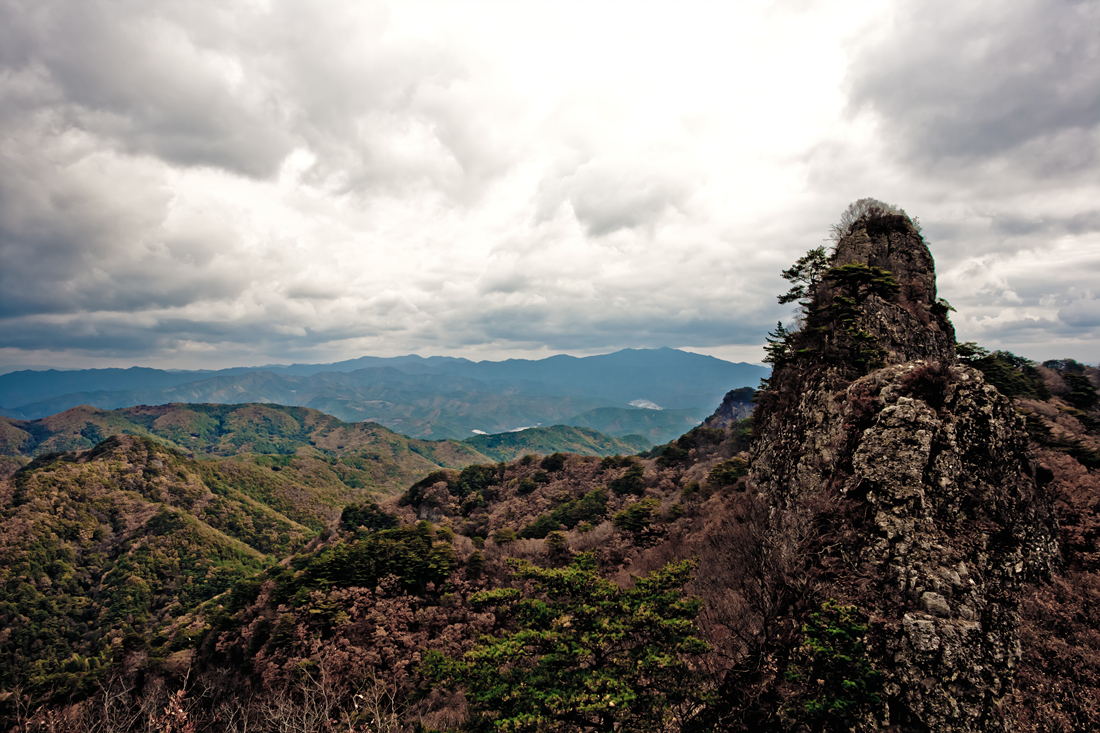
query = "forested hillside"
x=99 y=552
x=364 y=455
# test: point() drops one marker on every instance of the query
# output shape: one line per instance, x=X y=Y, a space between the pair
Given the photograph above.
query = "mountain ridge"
x=404 y=392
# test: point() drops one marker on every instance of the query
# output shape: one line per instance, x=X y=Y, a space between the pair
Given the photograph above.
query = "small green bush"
x=554 y=462
x=556 y=542
x=475 y=565
x=840 y=685
x=630 y=482
x=475 y=479
x=727 y=472
x=638 y=516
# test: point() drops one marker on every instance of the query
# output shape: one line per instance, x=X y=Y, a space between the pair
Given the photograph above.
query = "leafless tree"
x=856 y=209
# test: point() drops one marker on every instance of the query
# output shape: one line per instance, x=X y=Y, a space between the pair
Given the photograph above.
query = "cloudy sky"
x=206 y=184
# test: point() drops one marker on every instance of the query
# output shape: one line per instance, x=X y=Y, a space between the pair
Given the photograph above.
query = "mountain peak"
x=892 y=242
x=876 y=304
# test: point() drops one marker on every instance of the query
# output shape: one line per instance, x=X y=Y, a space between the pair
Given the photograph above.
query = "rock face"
x=736 y=406
x=912 y=324
x=932 y=461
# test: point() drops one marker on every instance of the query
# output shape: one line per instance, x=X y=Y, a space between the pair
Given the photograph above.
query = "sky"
x=191 y=184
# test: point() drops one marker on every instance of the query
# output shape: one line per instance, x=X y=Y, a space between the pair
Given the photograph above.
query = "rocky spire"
x=899 y=483
x=910 y=323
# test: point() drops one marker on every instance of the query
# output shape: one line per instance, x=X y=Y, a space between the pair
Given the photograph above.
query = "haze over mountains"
x=435 y=397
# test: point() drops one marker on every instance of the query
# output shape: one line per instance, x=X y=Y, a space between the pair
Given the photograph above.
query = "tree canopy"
x=803 y=276
x=584 y=655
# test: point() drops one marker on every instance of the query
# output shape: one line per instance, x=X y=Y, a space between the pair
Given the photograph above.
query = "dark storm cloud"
x=1015 y=225
x=69 y=243
x=117 y=335
x=239 y=90
x=102 y=104
x=1082 y=313
x=963 y=82
x=272 y=178
x=114 y=339
x=602 y=326
x=152 y=86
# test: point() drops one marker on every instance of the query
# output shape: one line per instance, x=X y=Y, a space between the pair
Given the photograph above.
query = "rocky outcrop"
x=912 y=323
x=931 y=462
x=735 y=407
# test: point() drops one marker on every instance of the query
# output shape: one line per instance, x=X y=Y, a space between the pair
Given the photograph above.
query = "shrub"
x=540 y=528
x=1065 y=365
x=616 y=461
x=638 y=516
x=413 y=495
x=674 y=453
x=368 y=516
x=693 y=491
x=878 y=213
x=1082 y=394
x=1012 y=375
x=407 y=552
x=727 y=472
x=590 y=507
x=929 y=383
x=557 y=543
x=630 y=482
x=475 y=479
x=840 y=684
x=554 y=462
x=583 y=655
x=475 y=565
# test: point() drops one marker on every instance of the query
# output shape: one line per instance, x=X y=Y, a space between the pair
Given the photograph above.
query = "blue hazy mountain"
x=437 y=397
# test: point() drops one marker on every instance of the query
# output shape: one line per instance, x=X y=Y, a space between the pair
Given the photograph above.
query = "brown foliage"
x=929 y=382
x=1058 y=682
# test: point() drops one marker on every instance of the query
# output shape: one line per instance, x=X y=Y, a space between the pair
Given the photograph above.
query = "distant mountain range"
x=434 y=397
x=245 y=431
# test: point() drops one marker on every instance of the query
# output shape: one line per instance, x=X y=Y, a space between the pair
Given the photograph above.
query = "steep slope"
x=736 y=406
x=1058 y=678
x=905 y=478
x=101 y=549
